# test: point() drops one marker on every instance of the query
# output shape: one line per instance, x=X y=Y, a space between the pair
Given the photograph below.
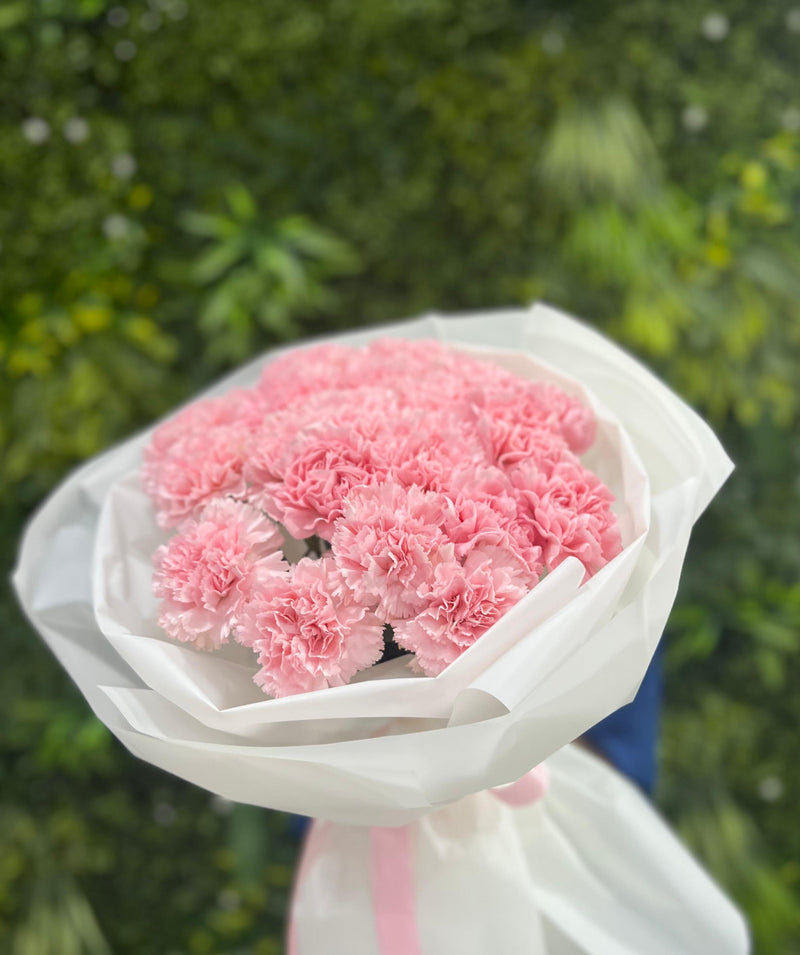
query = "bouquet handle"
x=569 y=860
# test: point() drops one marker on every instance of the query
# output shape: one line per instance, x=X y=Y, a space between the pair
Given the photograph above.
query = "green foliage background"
x=186 y=182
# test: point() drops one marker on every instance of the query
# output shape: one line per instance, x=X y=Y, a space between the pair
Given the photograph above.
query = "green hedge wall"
x=185 y=183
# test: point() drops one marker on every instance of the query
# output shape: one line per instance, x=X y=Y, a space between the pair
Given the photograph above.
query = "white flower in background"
x=36 y=130
x=770 y=789
x=694 y=118
x=229 y=900
x=150 y=21
x=125 y=50
x=117 y=16
x=116 y=226
x=793 y=20
x=715 y=26
x=123 y=166
x=790 y=119
x=553 y=42
x=76 y=130
x=177 y=9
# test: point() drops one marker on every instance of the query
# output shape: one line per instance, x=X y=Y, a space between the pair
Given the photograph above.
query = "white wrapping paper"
x=589 y=869
x=390 y=747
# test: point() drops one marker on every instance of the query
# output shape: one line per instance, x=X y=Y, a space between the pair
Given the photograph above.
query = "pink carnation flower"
x=487 y=484
x=568 y=513
x=463 y=602
x=369 y=408
x=487 y=512
x=308 y=630
x=402 y=361
x=265 y=450
x=445 y=485
x=426 y=446
x=304 y=372
x=513 y=441
x=577 y=423
x=206 y=572
x=429 y=372
x=241 y=408
x=424 y=373
x=199 y=454
x=321 y=466
x=285 y=435
x=537 y=406
x=197 y=469
x=388 y=544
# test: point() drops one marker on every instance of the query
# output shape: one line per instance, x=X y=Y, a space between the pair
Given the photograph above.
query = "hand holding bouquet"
x=512 y=507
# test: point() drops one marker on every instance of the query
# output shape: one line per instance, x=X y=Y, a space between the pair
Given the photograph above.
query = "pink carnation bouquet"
x=428 y=503
x=385 y=580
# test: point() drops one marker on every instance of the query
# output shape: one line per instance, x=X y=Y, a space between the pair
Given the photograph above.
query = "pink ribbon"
x=392 y=861
x=525 y=791
x=392 y=870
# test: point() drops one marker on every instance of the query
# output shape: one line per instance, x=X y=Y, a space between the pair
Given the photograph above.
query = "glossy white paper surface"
x=589 y=869
x=392 y=746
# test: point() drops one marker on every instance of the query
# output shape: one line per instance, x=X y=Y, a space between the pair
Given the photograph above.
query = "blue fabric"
x=628 y=738
x=298 y=825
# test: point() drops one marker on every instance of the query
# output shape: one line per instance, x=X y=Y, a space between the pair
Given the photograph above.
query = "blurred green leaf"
x=211 y=265
x=208 y=226
x=241 y=202
x=12 y=14
x=600 y=151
